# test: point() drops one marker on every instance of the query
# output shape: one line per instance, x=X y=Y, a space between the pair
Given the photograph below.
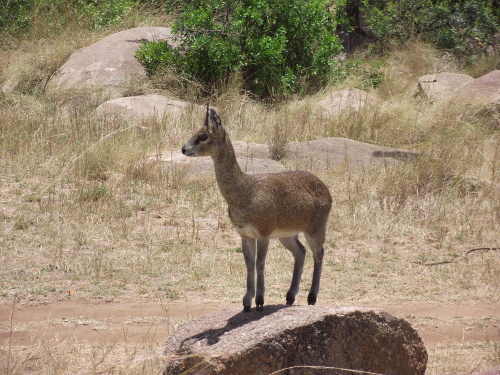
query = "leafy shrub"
x=278 y=47
x=18 y=16
x=152 y=54
x=456 y=25
x=15 y=15
x=106 y=12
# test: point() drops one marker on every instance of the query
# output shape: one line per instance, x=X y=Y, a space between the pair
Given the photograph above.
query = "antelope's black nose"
x=183 y=150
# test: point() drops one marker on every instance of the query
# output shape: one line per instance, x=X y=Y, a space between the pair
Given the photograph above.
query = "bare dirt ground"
x=90 y=322
x=437 y=323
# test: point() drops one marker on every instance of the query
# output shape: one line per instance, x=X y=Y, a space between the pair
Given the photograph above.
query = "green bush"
x=152 y=54
x=15 y=15
x=278 y=47
x=105 y=12
x=18 y=16
x=455 y=25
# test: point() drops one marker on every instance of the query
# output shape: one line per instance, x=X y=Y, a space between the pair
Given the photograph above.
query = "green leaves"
x=279 y=47
x=456 y=25
x=152 y=54
x=19 y=16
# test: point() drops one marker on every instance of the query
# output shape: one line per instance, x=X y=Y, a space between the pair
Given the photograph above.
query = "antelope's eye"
x=202 y=137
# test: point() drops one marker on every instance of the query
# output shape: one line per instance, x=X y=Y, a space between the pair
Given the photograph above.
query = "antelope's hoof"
x=246 y=308
x=290 y=299
x=260 y=307
x=259 y=301
x=311 y=299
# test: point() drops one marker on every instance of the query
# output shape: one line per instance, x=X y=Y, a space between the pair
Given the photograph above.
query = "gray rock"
x=252 y=158
x=144 y=107
x=336 y=152
x=344 y=101
x=319 y=154
x=434 y=87
x=483 y=91
x=258 y=343
x=251 y=150
x=10 y=86
x=492 y=371
x=109 y=65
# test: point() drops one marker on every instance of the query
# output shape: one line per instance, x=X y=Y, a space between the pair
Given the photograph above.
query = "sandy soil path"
x=138 y=322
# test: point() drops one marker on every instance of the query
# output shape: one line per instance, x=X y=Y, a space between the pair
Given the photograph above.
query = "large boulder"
x=319 y=154
x=483 y=91
x=340 y=102
x=434 y=87
x=143 y=107
x=492 y=371
x=236 y=343
x=252 y=158
x=334 y=152
x=109 y=65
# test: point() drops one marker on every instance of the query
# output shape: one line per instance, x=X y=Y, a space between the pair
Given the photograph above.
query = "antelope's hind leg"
x=299 y=254
x=316 y=242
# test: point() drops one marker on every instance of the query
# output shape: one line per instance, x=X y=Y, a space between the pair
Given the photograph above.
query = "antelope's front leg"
x=262 y=245
x=249 y=250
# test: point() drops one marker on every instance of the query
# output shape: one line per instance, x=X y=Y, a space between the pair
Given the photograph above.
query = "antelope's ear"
x=206 y=117
x=213 y=122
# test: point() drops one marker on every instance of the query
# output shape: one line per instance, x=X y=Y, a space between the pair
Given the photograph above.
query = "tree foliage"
x=19 y=16
x=278 y=47
x=454 y=25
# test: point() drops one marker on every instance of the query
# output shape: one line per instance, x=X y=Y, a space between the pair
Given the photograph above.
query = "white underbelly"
x=251 y=232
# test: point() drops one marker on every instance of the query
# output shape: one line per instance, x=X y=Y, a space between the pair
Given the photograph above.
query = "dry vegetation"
x=101 y=223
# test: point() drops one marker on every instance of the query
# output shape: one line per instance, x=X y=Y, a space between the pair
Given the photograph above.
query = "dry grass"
x=58 y=357
x=115 y=227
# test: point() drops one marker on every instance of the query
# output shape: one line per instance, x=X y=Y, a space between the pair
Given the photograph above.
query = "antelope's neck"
x=234 y=184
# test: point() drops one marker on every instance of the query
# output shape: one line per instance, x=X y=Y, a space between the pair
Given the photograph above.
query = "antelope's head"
x=206 y=141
